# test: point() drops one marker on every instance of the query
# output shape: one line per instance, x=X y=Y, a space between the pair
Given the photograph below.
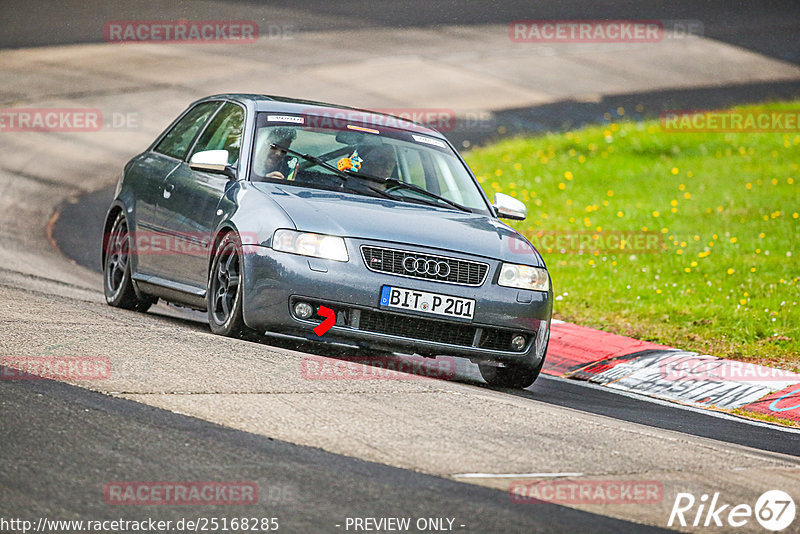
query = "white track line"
x=516 y=475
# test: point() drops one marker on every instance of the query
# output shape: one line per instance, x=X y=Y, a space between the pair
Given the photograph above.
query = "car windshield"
x=363 y=159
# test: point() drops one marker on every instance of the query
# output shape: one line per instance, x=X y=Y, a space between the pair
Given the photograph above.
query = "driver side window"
x=176 y=143
x=224 y=132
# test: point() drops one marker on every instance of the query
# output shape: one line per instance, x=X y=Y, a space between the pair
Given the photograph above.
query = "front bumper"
x=273 y=281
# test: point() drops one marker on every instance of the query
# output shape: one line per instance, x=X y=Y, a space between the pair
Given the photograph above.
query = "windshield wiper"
x=412 y=187
x=404 y=185
x=312 y=159
x=343 y=175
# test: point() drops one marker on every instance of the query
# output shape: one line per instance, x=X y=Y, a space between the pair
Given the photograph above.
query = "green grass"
x=725 y=206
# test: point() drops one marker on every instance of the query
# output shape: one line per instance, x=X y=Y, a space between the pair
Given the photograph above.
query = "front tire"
x=514 y=377
x=225 y=287
x=117 y=285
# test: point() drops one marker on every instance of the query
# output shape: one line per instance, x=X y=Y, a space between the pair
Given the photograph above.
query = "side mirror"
x=508 y=207
x=213 y=161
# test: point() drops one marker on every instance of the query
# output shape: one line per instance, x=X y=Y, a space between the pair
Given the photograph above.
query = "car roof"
x=281 y=104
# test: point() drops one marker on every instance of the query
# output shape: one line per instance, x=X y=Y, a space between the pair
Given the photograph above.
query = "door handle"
x=168 y=190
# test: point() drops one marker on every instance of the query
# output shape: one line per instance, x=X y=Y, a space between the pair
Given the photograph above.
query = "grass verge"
x=685 y=239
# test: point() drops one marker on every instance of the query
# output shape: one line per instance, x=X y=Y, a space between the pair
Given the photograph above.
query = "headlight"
x=308 y=244
x=524 y=277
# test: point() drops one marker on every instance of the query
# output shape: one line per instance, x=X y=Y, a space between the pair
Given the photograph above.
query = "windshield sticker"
x=285 y=118
x=428 y=140
x=353 y=163
x=362 y=129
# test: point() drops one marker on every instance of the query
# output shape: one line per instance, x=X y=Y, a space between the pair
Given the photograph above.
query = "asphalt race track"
x=79 y=229
x=305 y=488
x=184 y=405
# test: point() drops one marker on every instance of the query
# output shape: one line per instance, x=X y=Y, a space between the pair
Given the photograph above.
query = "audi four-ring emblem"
x=429 y=267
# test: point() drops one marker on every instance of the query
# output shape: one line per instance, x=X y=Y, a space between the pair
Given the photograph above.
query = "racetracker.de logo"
x=50 y=120
x=590 y=242
x=55 y=368
x=587 y=491
x=586 y=31
x=181 y=493
x=731 y=121
x=148 y=243
x=378 y=368
x=181 y=31
x=709 y=368
x=396 y=118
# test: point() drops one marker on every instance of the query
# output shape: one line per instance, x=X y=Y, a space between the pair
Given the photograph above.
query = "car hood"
x=370 y=218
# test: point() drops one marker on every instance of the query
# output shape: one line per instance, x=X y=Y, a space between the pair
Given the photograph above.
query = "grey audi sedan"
x=269 y=213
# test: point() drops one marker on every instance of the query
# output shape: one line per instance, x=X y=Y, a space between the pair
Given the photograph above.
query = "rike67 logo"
x=774 y=510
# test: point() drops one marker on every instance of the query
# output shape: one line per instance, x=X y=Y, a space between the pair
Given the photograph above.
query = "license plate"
x=422 y=301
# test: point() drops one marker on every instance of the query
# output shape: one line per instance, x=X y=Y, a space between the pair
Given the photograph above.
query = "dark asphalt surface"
x=78 y=232
x=769 y=27
x=79 y=441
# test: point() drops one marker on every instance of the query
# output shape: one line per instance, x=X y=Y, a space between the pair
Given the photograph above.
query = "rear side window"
x=177 y=141
x=224 y=132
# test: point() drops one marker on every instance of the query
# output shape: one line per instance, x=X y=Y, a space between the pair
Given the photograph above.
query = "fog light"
x=518 y=342
x=303 y=310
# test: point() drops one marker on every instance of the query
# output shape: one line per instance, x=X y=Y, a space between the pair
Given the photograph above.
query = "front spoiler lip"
x=394 y=338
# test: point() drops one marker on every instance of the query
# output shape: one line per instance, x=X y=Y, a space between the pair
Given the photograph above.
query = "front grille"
x=414 y=327
x=387 y=260
x=417 y=328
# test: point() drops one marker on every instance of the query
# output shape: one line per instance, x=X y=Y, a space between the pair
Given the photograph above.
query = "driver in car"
x=379 y=161
x=273 y=163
